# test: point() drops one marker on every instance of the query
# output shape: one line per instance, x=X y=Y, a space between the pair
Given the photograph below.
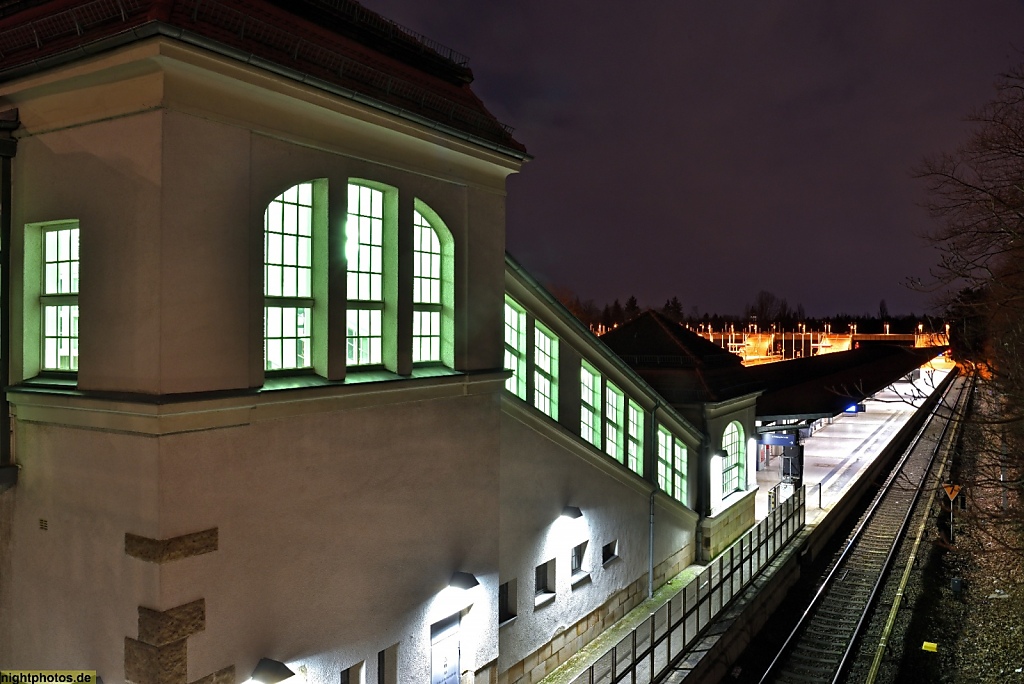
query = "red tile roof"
x=338 y=45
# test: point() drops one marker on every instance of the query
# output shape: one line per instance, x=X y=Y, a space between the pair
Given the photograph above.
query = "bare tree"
x=977 y=195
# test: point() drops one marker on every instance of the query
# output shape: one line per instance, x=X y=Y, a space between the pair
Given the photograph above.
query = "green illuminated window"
x=733 y=463
x=288 y=279
x=671 y=465
x=426 y=291
x=614 y=416
x=679 y=472
x=364 y=250
x=515 y=347
x=590 y=404
x=59 y=297
x=545 y=375
x=635 y=438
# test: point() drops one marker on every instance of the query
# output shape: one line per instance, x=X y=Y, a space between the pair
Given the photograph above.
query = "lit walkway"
x=836 y=454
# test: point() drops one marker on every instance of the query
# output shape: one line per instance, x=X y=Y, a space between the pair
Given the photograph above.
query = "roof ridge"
x=675 y=340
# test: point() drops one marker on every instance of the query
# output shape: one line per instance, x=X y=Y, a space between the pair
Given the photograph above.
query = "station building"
x=276 y=389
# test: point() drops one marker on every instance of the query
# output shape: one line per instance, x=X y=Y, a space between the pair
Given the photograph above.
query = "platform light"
x=269 y=671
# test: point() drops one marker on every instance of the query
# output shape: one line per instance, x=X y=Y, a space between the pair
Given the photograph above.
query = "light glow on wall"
x=751 y=462
x=451 y=600
x=717 y=462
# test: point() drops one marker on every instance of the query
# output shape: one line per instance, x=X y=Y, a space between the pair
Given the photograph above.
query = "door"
x=444 y=651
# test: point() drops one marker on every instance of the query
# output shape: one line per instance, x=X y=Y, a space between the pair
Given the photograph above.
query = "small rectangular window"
x=590 y=404
x=544 y=583
x=507 y=599
x=59 y=296
x=579 y=552
x=515 y=347
x=545 y=376
x=609 y=552
x=387 y=665
x=354 y=675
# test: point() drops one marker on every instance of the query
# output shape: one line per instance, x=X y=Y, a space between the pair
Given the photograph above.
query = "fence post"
x=632 y=662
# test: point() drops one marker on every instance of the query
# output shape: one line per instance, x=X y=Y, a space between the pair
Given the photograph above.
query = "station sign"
x=779 y=438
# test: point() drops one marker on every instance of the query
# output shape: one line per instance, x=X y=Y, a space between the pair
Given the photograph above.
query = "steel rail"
x=865 y=616
x=856 y=537
x=883 y=641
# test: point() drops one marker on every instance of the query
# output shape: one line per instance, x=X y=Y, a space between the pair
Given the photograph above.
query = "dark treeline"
x=766 y=311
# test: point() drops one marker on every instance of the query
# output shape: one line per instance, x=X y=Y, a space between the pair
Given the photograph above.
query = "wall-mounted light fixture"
x=463 y=580
x=271 y=672
x=572 y=512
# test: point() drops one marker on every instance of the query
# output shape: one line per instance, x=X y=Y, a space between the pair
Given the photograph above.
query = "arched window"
x=733 y=463
x=288 y=279
x=426 y=291
x=364 y=249
x=433 y=302
x=304 y=261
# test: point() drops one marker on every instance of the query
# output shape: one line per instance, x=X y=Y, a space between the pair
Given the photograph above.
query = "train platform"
x=842 y=447
x=835 y=456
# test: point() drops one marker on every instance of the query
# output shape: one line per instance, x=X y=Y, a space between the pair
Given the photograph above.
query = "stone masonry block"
x=175 y=548
x=149 y=664
x=225 y=676
x=161 y=628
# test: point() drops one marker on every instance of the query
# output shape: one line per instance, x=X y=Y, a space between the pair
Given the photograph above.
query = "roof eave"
x=152 y=29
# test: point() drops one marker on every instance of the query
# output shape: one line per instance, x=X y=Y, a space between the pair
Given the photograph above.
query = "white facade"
x=181 y=513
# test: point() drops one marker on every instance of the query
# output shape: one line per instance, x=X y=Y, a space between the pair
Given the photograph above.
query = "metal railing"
x=358 y=13
x=660 y=641
x=74 y=21
x=298 y=48
x=240 y=26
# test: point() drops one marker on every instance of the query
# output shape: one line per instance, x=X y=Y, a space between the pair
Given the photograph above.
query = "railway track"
x=820 y=646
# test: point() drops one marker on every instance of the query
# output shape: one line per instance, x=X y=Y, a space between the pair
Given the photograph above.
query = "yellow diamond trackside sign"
x=951 y=490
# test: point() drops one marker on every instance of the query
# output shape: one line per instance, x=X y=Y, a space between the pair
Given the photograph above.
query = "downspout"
x=650 y=539
x=9 y=122
x=650 y=546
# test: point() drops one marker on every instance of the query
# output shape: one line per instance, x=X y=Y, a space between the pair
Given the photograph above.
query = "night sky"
x=710 y=150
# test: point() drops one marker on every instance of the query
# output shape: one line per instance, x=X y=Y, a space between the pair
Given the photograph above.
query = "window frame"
x=672 y=462
x=733 y=464
x=635 y=437
x=428 y=273
x=544 y=583
x=515 y=351
x=614 y=422
x=302 y=303
x=590 y=406
x=508 y=599
x=577 y=562
x=59 y=300
x=542 y=377
x=364 y=312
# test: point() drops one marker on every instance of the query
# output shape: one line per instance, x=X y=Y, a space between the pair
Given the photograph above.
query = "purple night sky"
x=710 y=150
